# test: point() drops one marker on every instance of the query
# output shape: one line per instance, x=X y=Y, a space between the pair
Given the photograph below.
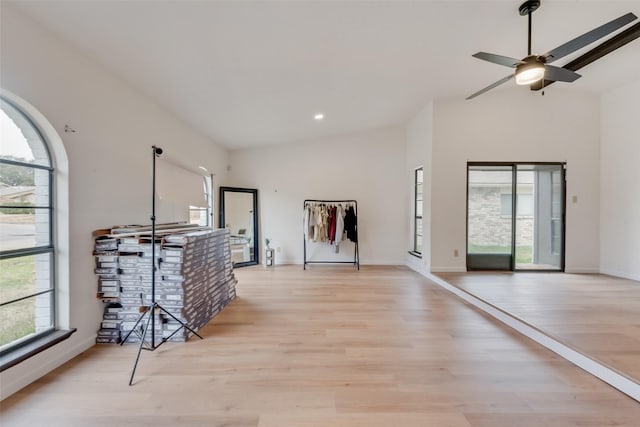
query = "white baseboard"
x=383 y=262
x=606 y=374
x=448 y=270
x=368 y=262
x=36 y=368
x=621 y=274
x=287 y=261
x=582 y=270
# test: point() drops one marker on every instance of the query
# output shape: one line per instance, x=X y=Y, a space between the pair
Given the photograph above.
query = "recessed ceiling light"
x=203 y=168
x=319 y=116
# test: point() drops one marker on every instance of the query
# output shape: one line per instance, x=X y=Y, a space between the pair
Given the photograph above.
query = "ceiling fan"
x=532 y=68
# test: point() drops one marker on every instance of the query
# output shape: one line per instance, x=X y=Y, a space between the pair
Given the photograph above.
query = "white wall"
x=419 y=139
x=109 y=161
x=516 y=125
x=620 y=183
x=367 y=167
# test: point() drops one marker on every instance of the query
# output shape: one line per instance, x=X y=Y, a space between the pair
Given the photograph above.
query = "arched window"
x=203 y=213
x=27 y=279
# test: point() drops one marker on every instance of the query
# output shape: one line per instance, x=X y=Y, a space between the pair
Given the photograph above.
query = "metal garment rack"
x=356 y=254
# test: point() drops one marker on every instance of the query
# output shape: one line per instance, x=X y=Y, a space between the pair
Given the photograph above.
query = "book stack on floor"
x=208 y=283
x=194 y=278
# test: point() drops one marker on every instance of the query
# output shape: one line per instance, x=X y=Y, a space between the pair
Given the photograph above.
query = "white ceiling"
x=254 y=73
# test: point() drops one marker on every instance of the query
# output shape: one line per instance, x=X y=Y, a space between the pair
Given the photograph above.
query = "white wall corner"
x=416 y=264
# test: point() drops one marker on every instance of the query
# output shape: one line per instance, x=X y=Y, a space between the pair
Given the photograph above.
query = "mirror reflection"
x=594 y=314
x=238 y=213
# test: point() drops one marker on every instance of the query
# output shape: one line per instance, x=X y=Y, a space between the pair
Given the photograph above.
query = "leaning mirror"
x=239 y=213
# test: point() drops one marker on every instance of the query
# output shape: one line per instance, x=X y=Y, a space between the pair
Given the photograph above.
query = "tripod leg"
x=184 y=325
x=142 y=342
x=134 y=328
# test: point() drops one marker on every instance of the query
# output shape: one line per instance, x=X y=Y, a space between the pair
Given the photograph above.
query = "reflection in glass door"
x=515 y=216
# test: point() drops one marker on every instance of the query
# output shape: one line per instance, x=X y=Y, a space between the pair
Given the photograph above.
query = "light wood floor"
x=329 y=346
x=596 y=314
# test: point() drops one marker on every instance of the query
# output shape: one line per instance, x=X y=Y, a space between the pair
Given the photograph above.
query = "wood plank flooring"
x=329 y=346
x=596 y=314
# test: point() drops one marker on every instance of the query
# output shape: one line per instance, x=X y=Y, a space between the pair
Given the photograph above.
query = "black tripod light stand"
x=148 y=318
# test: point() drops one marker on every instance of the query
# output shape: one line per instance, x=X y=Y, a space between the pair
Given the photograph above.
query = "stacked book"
x=194 y=279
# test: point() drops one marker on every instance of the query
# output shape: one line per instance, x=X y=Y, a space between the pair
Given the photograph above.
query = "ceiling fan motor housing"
x=530 y=70
x=529 y=6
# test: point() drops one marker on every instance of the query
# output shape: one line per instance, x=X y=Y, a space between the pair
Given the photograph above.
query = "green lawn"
x=17 y=278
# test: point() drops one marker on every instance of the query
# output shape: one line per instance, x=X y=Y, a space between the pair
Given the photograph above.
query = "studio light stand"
x=154 y=308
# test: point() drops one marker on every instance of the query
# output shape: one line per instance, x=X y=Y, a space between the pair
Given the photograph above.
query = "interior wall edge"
x=416 y=265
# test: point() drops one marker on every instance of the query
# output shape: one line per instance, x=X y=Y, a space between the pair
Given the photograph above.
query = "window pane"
x=556 y=236
x=524 y=208
x=22 y=228
x=26 y=317
x=24 y=276
x=23 y=186
x=525 y=205
x=21 y=141
x=418 y=210
x=505 y=204
x=489 y=210
x=418 y=236
x=198 y=216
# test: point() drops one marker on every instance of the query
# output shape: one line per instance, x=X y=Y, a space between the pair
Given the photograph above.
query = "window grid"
x=418 y=207
x=27 y=282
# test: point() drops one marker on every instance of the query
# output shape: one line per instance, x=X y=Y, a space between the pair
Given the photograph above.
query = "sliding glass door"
x=489 y=224
x=515 y=216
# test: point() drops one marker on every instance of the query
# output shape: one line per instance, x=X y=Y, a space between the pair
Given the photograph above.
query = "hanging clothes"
x=306 y=223
x=351 y=224
x=332 y=224
x=317 y=222
x=331 y=221
x=324 y=223
x=339 y=224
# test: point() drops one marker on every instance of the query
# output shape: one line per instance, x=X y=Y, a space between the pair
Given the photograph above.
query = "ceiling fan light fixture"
x=529 y=73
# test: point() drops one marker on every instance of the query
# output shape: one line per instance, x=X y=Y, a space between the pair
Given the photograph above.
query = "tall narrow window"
x=417 y=223
x=27 y=286
x=203 y=215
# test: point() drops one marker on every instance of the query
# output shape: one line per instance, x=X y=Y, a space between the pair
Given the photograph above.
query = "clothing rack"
x=356 y=255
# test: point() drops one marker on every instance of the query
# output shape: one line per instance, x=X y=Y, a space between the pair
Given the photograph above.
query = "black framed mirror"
x=239 y=213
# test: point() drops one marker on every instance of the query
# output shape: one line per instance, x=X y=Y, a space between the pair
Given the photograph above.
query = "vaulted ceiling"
x=255 y=73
